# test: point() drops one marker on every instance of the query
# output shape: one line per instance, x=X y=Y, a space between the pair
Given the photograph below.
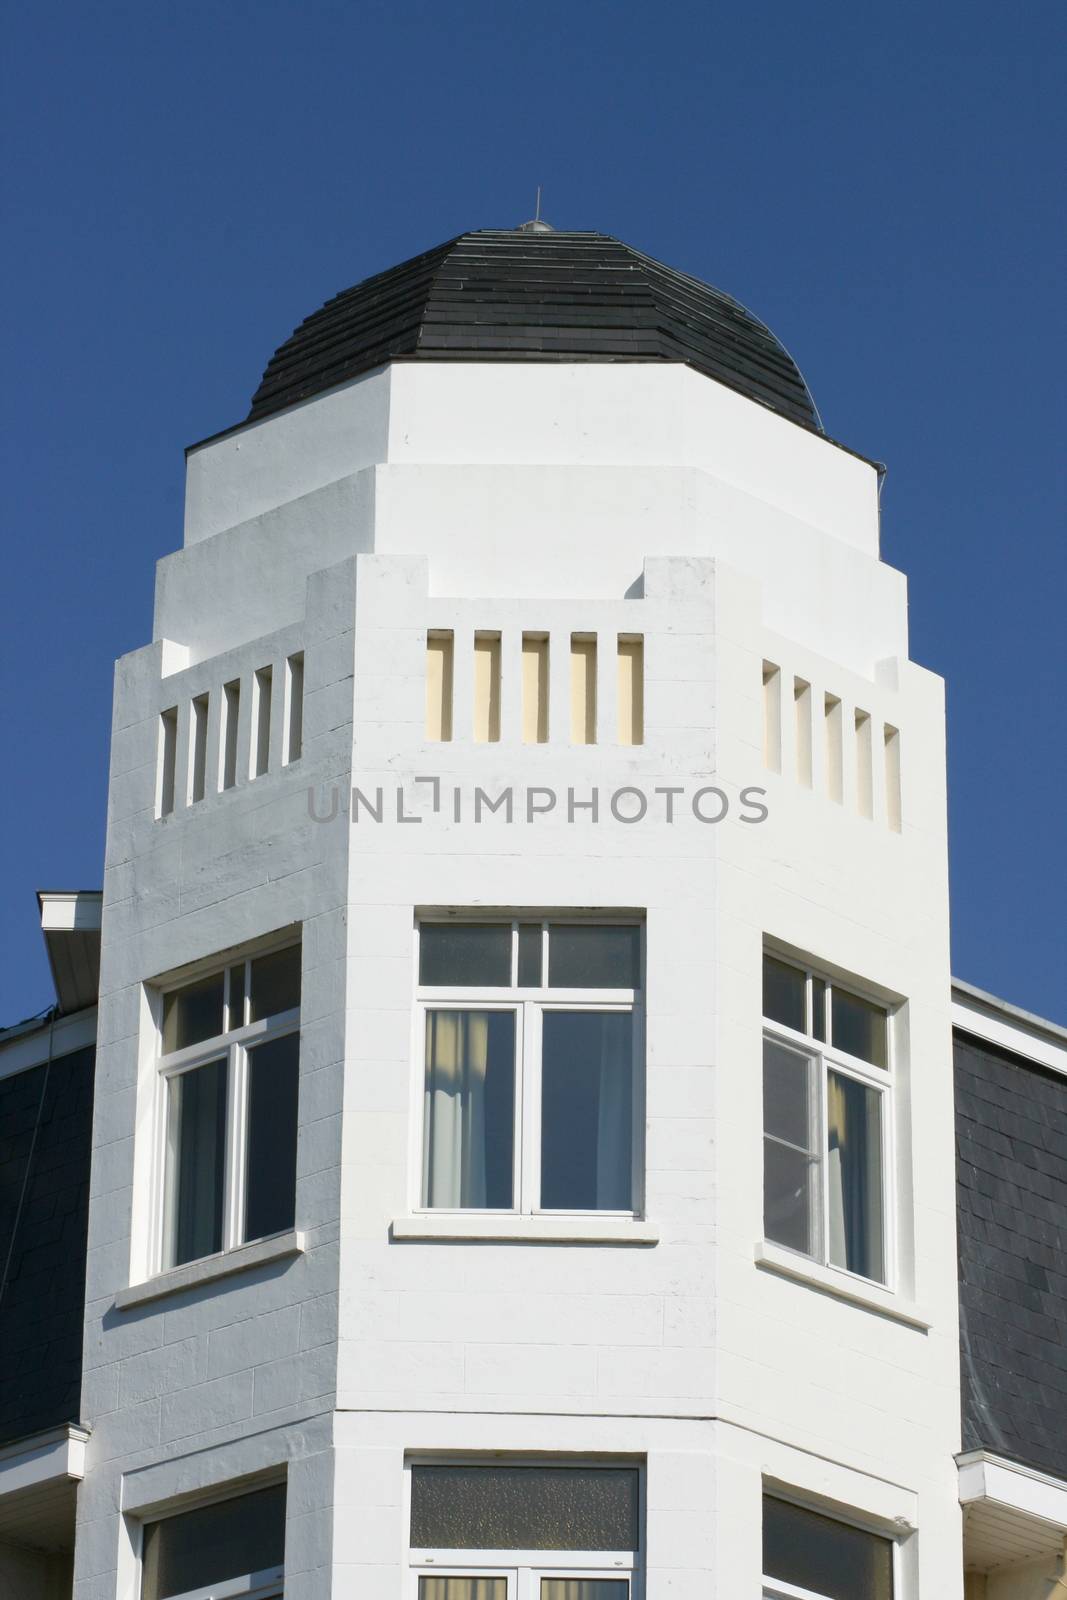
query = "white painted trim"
x=45 y=1458
x=30 y=1049
x=208 y=1270
x=70 y=910
x=1035 y=1494
x=1010 y=1029
x=843 y=1286
x=516 y=1229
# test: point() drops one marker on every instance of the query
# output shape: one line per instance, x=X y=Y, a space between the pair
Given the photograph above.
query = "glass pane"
x=524 y=1508
x=588 y=956
x=469 y=1110
x=818 y=1008
x=860 y=1028
x=475 y=954
x=815 y=1552
x=783 y=994
x=192 y=1014
x=275 y=983
x=854 y=1176
x=587 y=1111
x=463 y=1588
x=198 y=1151
x=585 y=1588
x=530 y=955
x=788 y=1197
x=236 y=1015
x=270 y=1180
x=214 y=1543
x=788 y=1082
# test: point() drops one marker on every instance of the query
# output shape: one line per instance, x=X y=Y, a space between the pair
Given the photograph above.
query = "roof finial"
x=536 y=225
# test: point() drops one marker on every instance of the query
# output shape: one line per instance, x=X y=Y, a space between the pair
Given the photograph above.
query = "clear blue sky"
x=184 y=182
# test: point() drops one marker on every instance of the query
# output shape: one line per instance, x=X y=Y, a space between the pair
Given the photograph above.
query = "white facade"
x=637 y=500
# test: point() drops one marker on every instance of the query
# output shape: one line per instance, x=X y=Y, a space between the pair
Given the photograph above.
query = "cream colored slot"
x=631 y=689
x=583 y=688
x=772 y=717
x=864 y=766
x=891 y=737
x=198 y=749
x=168 y=756
x=802 y=711
x=535 y=688
x=835 y=771
x=439 y=672
x=486 y=688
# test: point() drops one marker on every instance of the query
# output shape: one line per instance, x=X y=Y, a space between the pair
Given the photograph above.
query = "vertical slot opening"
x=864 y=766
x=583 y=688
x=439 y=663
x=835 y=772
x=231 y=716
x=535 y=688
x=892 y=777
x=294 y=707
x=631 y=689
x=486 y=688
x=262 y=685
x=168 y=755
x=198 y=748
x=772 y=717
x=802 y=710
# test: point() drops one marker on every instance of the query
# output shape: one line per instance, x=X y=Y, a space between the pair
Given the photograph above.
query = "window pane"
x=587 y=1111
x=815 y=1552
x=270 y=1184
x=469 y=1110
x=192 y=1014
x=788 y=1197
x=198 y=1151
x=275 y=983
x=783 y=994
x=524 y=1508
x=854 y=1176
x=463 y=1589
x=213 y=1543
x=859 y=1027
x=475 y=954
x=788 y=1094
x=818 y=1008
x=235 y=1017
x=585 y=1588
x=588 y=956
x=530 y=955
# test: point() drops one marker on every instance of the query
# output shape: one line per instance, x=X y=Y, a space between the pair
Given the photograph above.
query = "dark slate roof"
x=516 y=295
x=46 y=1116
x=1011 y=1138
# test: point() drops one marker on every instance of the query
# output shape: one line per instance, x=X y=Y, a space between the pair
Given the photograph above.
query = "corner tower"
x=523 y=1141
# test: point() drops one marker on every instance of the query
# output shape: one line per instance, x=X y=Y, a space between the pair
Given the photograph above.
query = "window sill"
x=196 y=1273
x=827 y=1280
x=526 y=1230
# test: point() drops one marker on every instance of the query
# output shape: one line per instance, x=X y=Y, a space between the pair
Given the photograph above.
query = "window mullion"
x=235 y=1117
x=822 y=1149
x=530 y=1142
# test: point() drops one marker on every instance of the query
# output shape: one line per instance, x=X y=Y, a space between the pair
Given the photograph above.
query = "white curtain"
x=463 y=1588
x=453 y=1162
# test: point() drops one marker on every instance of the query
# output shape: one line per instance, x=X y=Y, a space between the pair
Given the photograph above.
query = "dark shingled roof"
x=519 y=295
x=1011 y=1139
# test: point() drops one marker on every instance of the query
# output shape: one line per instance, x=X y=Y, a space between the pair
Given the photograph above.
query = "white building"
x=523 y=1137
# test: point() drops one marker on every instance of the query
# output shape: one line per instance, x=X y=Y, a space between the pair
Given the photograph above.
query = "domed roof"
x=534 y=294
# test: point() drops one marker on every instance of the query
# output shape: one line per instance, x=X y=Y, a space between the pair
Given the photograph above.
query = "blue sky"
x=183 y=183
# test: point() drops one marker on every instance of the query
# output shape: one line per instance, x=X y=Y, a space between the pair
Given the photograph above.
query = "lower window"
x=524 y=1532
x=806 y=1553
x=220 y=1551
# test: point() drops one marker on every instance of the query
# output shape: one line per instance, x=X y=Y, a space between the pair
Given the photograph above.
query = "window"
x=232 y=1547
x=530 y=1074
x=229 y=1071
x=807 y=1553
x=524 y=1532
x=826 y=1113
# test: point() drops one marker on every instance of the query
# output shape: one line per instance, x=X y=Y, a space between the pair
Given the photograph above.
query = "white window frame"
x=524 y=1569
x=528 y=1004
x=778 y=1588
x=883 y=1080
x=233 y=1045
x=265 y=1585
